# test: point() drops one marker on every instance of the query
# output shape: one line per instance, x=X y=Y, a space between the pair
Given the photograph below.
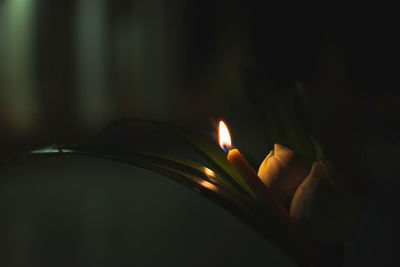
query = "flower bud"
x=283 y=171
x=329 y=215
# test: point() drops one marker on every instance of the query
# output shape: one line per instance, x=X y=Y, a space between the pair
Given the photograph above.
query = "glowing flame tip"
x=224 y=137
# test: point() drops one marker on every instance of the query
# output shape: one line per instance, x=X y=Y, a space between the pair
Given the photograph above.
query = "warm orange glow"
x=224 y=138
x=208 y=185
x=209 y=173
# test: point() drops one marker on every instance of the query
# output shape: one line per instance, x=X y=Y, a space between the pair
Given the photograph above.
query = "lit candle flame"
x=224 y=138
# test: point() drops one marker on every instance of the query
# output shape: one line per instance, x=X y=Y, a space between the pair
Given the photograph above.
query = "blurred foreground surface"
x=79 y=211
x=76 y=211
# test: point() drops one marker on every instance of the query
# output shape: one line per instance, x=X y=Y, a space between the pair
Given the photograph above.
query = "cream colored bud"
x=329 y=215
x=283 y=171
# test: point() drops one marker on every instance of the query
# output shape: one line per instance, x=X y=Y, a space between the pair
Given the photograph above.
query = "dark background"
x=67 y=68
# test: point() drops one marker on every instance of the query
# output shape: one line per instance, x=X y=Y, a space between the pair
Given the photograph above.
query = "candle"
x=271 y=203
x=262 y=192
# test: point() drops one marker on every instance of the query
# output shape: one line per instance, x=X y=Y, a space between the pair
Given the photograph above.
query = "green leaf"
x=216 y=155
x=137 y=157
x=190 y=174
x=319 y=153
x=207 y=147
x=194 y=176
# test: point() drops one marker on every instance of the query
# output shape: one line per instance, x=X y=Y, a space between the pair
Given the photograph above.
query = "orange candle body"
x=259 y=188
x=273 y=205
x=301 y=243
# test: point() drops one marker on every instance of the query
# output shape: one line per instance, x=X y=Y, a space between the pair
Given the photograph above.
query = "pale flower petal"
x=283 y=171
x=328 y=214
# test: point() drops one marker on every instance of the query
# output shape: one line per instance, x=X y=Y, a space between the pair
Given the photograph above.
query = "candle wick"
x=226 y=148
